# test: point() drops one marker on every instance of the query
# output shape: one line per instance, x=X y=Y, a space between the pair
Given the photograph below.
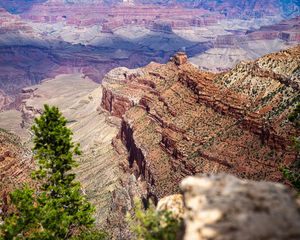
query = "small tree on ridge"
x=57 y=210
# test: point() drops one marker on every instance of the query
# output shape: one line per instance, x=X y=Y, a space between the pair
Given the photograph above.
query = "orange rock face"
x=184 y=121
x=15 y=166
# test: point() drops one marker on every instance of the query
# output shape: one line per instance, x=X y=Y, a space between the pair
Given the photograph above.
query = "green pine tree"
x=57 y=210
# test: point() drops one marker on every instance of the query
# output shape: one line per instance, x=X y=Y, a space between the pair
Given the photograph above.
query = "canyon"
x=144 y=130
x=244 y=8
x=154 y=91
x=48 y=38
x=179 y=121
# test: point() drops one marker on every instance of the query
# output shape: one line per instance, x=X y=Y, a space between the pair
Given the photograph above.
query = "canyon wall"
x=185 y=121
x=228 y=8
x=16 y=164
x=243 y=8
x=56 y=37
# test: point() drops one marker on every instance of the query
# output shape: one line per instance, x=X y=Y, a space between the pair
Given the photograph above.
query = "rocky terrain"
x=42 y=39
x=211 y=109
x=15 y=166
x=103 y=181
x=224 y=207
x=230 y=8
x=146 y=129
x=179 y=121
x=229 y=49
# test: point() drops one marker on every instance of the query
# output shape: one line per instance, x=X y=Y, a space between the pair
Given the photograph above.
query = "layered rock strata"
x=16 y=165
x=4 y=100
x=183 y=121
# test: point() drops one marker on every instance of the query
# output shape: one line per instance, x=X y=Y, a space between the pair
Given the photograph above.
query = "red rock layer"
x=120 y=15
x=187 y=121
x=287 y=30
x=15 y=166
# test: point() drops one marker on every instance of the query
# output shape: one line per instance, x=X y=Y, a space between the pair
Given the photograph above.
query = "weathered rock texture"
x=184 y=121
x=223 y=207
x=242 y=8
x=15 y=166
x=91 y=37
x=103 y=182
x=4 y=100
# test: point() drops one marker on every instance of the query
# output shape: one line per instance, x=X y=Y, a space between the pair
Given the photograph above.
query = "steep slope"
x=4 y=100
x=179 y=121
x=99 y=173
x=15 y=166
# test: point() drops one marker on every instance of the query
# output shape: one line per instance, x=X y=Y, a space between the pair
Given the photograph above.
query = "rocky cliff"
x=15 y=166
x=92 y=37
x=4 y=100
x=242 y=8
x=179 y=121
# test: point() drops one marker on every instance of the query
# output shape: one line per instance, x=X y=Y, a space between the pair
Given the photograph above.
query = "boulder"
x=223 y=207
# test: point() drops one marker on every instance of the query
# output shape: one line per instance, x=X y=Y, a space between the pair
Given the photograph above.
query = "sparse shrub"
x=56 y=209
x=292 y=173
x=91 y=235
x=153 y=225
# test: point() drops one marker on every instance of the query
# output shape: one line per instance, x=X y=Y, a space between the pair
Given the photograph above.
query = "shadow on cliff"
x=24 y=64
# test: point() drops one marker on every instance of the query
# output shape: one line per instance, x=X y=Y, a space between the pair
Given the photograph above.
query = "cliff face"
x=15 y=166
x=184 y=121
x=242 y=8
x=4 y=100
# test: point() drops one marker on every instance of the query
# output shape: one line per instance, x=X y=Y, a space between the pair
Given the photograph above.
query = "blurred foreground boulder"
x=223 y=207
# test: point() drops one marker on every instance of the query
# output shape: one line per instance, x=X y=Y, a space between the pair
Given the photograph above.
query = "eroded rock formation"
x=4 y=100
x=16 y=165
x=184 y=121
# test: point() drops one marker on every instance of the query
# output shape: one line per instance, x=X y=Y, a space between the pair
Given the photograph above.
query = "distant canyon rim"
x=44 y=39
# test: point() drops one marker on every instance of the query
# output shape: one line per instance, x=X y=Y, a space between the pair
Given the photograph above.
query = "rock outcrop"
x=221 y=207
x=4 y=100
x=184 y=121
x=16 y=165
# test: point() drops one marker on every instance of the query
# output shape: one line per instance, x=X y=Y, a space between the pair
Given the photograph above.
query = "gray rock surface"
x=223 y=207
